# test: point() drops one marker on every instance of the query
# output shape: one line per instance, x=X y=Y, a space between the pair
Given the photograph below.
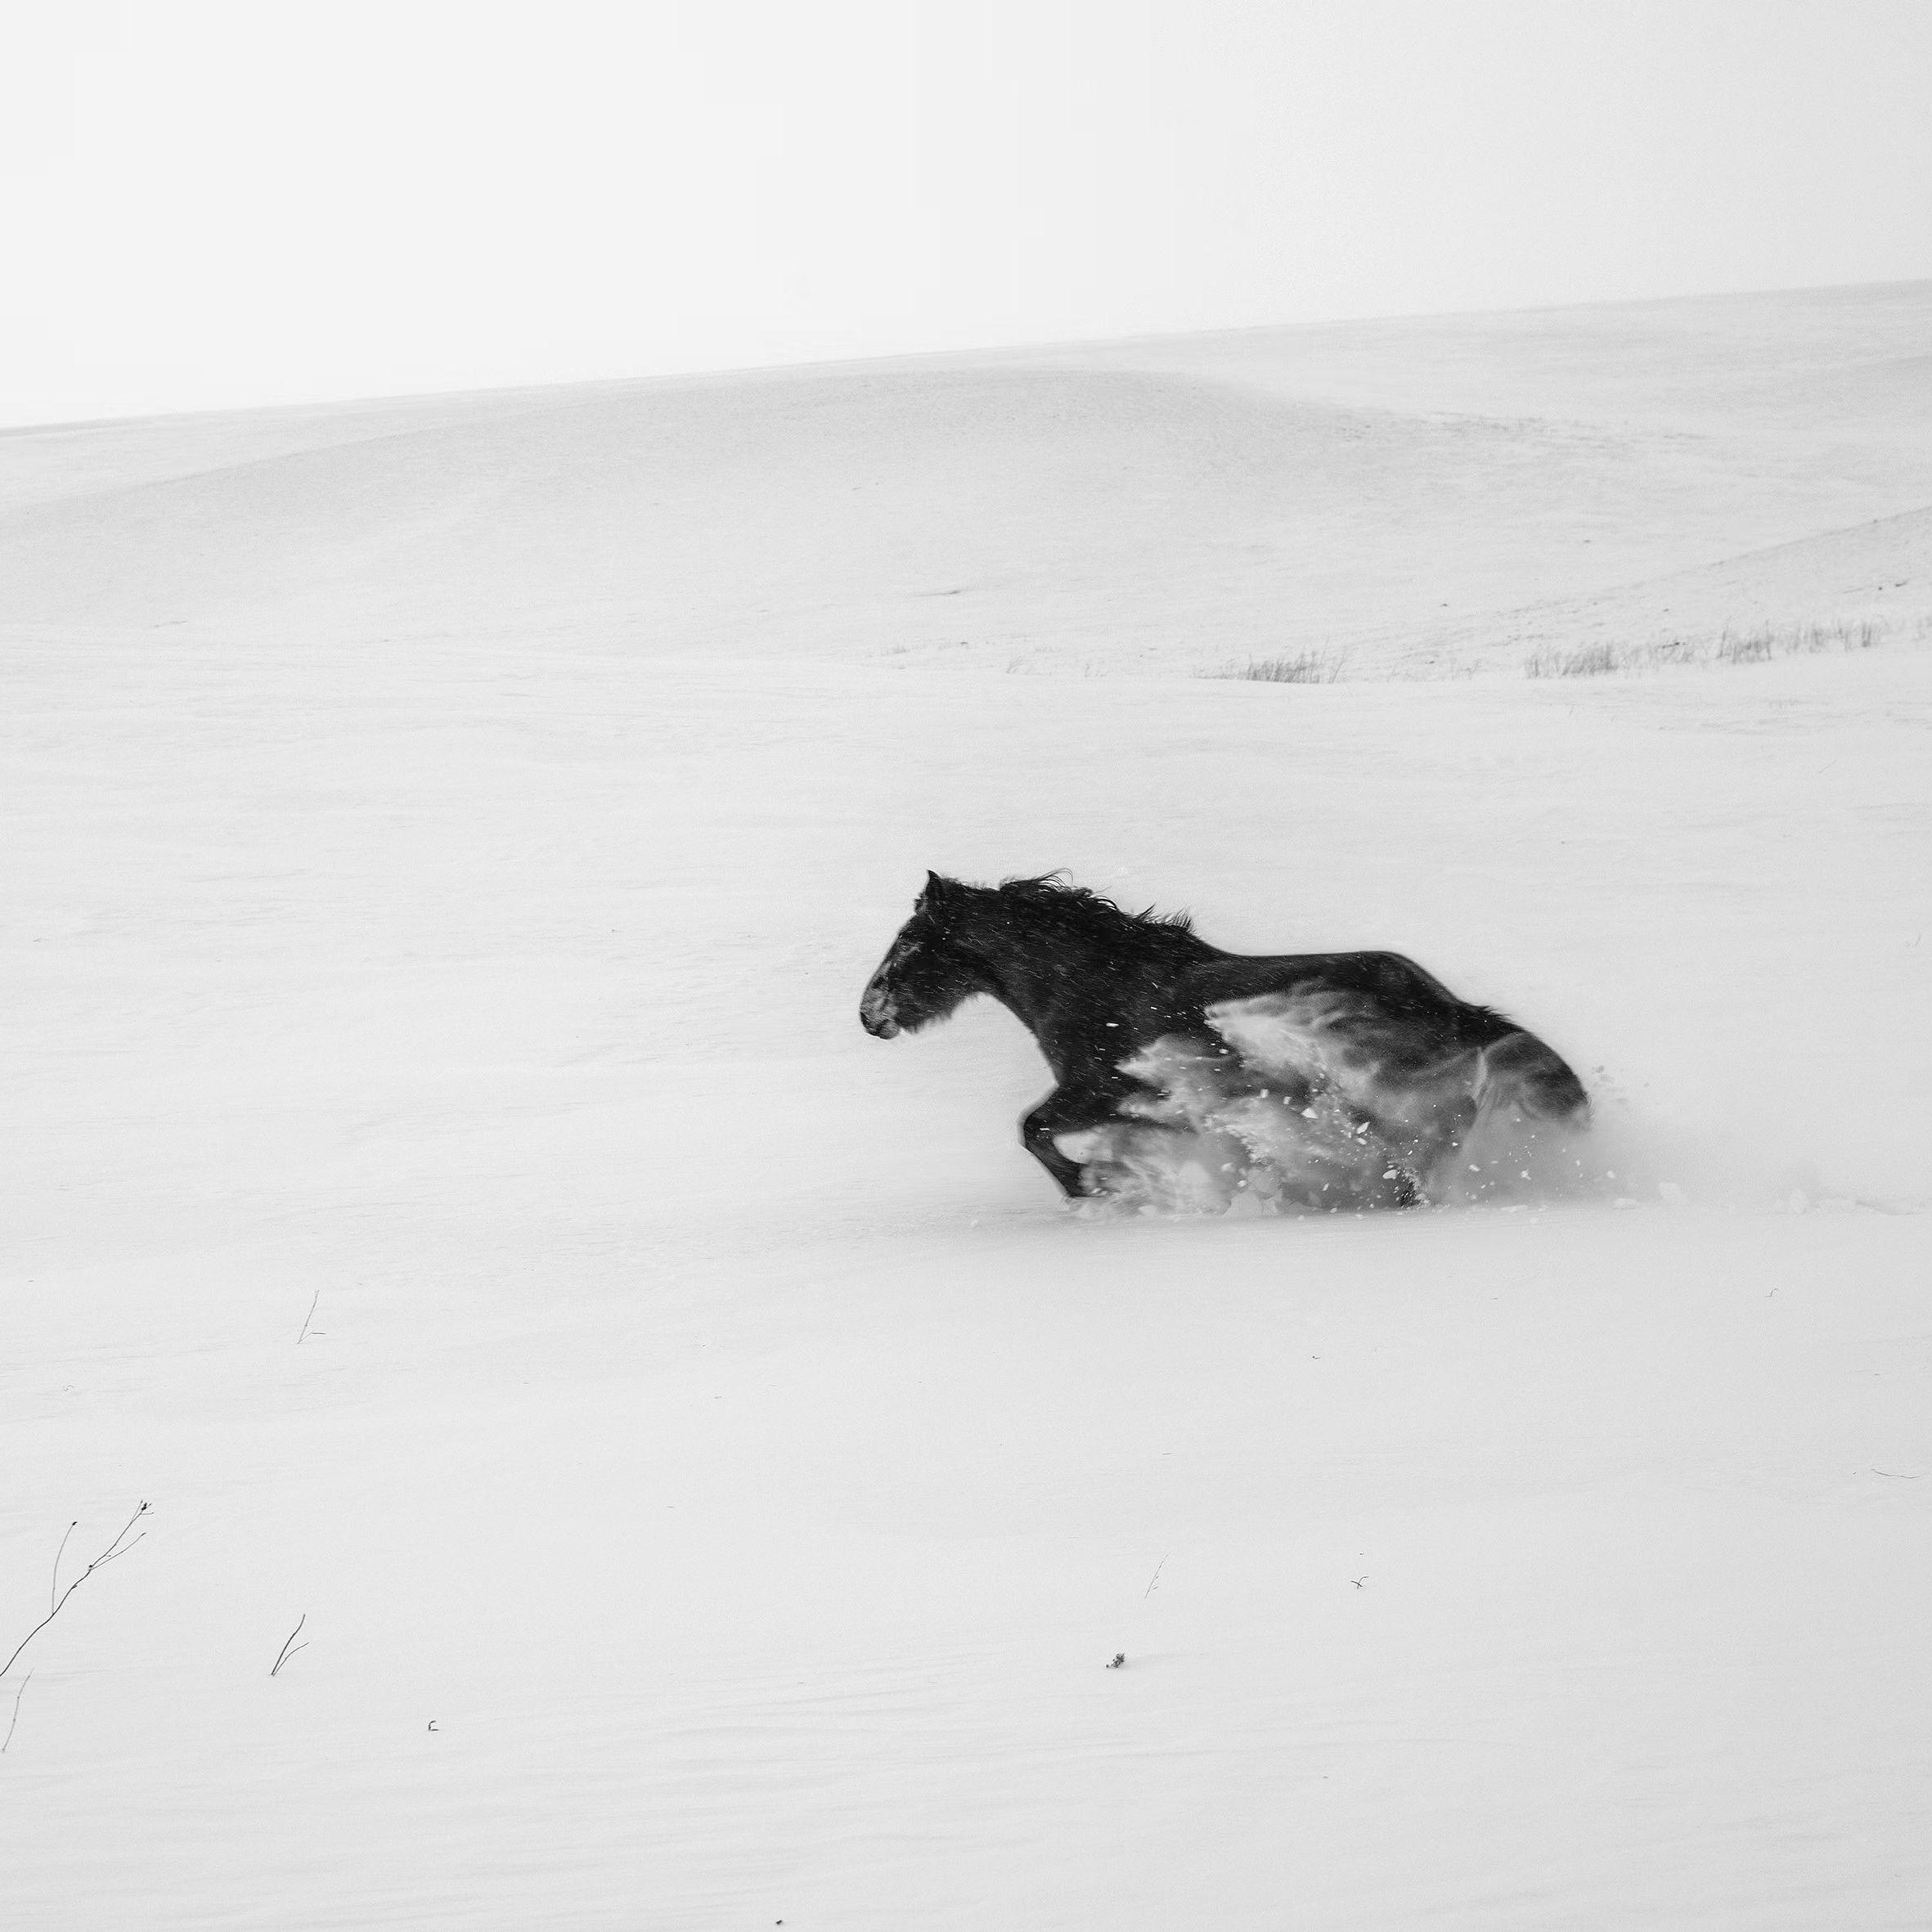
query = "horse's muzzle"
x=877 y=1015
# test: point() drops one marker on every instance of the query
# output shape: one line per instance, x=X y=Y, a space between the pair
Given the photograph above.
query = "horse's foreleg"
x=1066 y=1110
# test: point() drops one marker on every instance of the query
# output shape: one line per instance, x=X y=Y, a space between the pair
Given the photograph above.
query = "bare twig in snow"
x=53 y=1589
x=309 y=1318
x=1153 y=1579
x=17 y=1696
x=119 y=1548
x=286 y=1653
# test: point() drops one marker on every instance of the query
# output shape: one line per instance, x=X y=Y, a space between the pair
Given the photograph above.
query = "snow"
x=447 y=842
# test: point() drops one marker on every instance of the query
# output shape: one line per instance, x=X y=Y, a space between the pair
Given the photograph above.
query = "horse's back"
x=1390 y=978
x=1395 y=1027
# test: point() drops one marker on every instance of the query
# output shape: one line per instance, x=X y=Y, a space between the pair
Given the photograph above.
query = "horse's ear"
x=936 y=889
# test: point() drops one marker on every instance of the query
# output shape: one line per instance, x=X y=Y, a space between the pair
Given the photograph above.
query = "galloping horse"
x=1187 y=1077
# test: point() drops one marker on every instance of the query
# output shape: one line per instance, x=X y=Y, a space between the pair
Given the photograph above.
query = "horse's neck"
x=1050 y=979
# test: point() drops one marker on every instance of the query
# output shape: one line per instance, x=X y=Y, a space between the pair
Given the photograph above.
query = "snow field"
x=446 y=840
x=709 y=1424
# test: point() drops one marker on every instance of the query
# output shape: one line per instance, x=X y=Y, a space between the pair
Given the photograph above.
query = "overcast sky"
x=218 y=202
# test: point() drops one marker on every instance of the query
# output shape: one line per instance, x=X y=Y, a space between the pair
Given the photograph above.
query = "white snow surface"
x=447 y=842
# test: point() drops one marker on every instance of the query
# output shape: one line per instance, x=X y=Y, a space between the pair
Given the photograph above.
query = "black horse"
x=1187 y=1077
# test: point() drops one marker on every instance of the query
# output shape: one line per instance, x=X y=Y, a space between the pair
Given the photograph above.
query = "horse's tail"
x=1519 y=1071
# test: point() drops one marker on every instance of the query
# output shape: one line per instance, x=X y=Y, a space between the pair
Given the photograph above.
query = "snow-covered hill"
x=445 y=842
x=1418 y=493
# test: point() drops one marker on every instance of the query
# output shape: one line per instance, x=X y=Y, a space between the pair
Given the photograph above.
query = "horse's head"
x=926 y=974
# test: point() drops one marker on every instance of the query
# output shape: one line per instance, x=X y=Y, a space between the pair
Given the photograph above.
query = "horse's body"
x=1186 y=1076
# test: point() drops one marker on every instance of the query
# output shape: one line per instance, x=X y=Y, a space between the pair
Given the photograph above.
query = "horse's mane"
x=1053 y=893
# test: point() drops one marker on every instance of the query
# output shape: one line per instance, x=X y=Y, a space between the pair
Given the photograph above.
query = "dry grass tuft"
x=1307 y=667
x=1760 y=646
x=1592 y=660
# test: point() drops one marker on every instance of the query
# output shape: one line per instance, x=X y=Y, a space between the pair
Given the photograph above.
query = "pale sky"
x=209 y=203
